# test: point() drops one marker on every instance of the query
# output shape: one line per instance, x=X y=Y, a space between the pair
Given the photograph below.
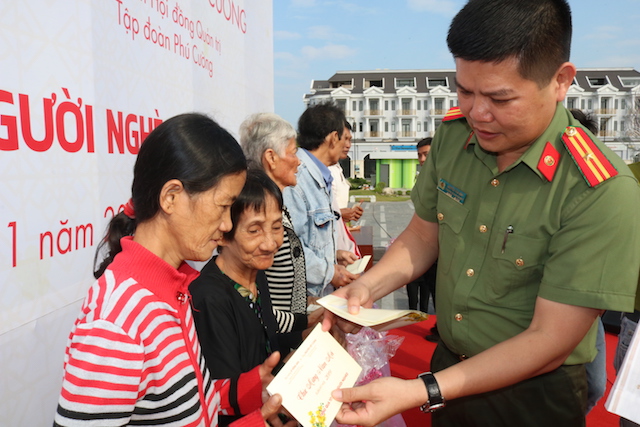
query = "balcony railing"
x=609 y=111
x=607 y=133
x=438 y=112
x=373 y=134
x=404 y=112
x=373 y=112
x=407 y=134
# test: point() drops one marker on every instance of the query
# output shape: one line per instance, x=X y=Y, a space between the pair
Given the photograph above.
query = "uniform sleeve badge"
x=592 y=163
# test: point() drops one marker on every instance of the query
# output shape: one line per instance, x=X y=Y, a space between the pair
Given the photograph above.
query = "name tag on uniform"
x=452 y=191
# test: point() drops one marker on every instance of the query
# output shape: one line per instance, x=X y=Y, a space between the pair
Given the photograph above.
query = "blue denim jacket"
x=313 y=219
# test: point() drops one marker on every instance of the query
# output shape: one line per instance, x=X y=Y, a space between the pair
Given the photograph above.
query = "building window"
x=623 y=104
x=353 y=126
x=406 y=105
x=347 y=84
x=419 y=104
x=615 y=104
x=342 y=104
x=419 y=127
x=426 y=126
x=353 y=106
x=572 y=103
x=393 y=126
x=386 y=105
x=374 y=107
x=405 y=82
x=373 y=83
x=622 y=126
x=603 y=125
x=393 y=105
x=630 y=81
x=433 y=82
x=438 y=106
x=615 y=126
x=582 y=104
x=373 y=129
x=386 y=126
x=360 y=105
x=406 y=127
x=360 y=126
x=596 y=81
x=590 y=107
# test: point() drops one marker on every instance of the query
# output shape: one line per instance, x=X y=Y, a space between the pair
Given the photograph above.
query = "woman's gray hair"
x=262 y=131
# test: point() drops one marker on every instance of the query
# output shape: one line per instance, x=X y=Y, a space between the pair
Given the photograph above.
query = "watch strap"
x=436 y=401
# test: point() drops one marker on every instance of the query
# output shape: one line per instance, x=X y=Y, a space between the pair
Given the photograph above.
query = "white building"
x=390 y=110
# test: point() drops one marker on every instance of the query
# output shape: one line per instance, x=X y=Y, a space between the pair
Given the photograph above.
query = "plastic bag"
x=372 y=350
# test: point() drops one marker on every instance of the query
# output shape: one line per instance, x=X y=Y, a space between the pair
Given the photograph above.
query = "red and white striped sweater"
x=133 y=356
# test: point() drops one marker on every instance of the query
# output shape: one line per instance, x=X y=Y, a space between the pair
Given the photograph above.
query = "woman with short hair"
x=269 y=142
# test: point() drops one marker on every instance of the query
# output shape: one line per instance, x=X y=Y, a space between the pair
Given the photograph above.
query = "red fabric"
x=414 y=355
x=549 y=161
x=250 y=391
x=350 y=236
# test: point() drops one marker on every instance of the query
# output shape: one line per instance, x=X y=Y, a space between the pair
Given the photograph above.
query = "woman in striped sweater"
x=133 y=356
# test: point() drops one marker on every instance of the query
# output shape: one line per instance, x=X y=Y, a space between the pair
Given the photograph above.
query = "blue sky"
x=315 y=38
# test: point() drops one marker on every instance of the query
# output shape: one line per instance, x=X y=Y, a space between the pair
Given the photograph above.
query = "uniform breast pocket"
x=516 y=273
x=323 y=230
x=451 y=218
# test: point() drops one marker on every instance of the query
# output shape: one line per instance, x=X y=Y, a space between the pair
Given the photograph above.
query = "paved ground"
x=388 y=220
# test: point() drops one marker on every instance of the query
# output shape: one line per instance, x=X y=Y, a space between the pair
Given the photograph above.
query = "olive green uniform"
x=508 y=237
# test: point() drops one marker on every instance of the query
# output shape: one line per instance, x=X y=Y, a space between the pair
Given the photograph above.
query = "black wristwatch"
x=436 y=401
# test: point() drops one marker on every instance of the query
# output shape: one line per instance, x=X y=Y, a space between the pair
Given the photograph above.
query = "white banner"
x=81 y=85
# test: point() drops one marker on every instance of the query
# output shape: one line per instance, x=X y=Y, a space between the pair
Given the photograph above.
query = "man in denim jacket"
x=321 y=137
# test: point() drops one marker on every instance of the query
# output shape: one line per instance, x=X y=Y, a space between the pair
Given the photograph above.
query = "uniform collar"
x=324 y=170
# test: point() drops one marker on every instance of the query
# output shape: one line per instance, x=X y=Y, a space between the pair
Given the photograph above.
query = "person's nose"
x=226 y=225
x=480 y=110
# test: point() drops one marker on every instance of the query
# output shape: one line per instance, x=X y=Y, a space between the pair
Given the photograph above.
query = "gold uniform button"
x=458 y=317
x=440 y=216
x=549 y=161
x=483 y=228
x=470 y=272
x=519 y=262
x=495 y=182
x=571 y=131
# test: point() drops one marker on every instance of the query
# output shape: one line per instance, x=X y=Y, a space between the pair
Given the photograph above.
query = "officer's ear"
x=563 y=79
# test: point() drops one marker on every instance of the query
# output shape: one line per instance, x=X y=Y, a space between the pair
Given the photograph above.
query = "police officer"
x=525 y=212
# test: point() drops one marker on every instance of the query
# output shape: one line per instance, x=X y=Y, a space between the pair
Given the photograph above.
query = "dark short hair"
x=317 y=122
x=257 y=188
x=191 y=148
x=537 y=33
x=348 y=125
x=585 y=120
x=423 y=142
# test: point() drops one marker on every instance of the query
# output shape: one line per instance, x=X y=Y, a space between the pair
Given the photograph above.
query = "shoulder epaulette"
x=592 y=163
x=453 y=114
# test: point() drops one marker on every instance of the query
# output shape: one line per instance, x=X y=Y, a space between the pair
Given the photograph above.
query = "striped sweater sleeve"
x=103 y=371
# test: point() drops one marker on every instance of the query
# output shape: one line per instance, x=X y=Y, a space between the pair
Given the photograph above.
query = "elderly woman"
x=133 y=356
x=269 y=142
x=232 y=308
